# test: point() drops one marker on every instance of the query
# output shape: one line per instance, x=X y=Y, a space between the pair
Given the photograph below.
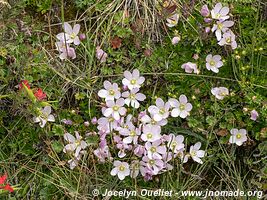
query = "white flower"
x=75 y=144
x=110 y=92
x=228 y=39
x=155 y=149
x=133 y=80
x=220 y=92
x=133 y=97
x=219 y=12
x=70 y=35
x=131 y=132
x=160 y=111
x=195 y=153
x=221 y=27
x=115 y=109
x=213 y=63
x=238 y=136
x=175 y=143
x=121 y=169
x=151 y=133
x=172 y=20
x=190 y=67
x=180 y=108
x=44 y=117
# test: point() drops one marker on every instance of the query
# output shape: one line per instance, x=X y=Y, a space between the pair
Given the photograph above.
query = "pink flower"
x=213 y=63
x=155 y=149
x=151 y=133
x=254 y=115
x=228 y=39
x=101 y=55
x=133 y=97
x=205 y=12
x=71 y=34
x=207 y=29
x=221 y=27
x=219 y=12
x=220 y=92
x=175 y=40
x=121 y=169
x=115 y=109
x=160 y=111
x=133 y=80
x=190 y=67
x=180 y=108
x=110 y=92
x=238 y=136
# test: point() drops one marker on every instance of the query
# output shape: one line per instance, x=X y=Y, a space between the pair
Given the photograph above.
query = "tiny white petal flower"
x=121 y=169
x=213 y=63
x=197 y=154
x=190 y=67
x=220 y=92
x=110 y=92
x=133 y=97
x=219 y=12
x=45 y=116
x=133 y=80
x=228 y=39
x=238 y=136
x=72 y=33
x=181 y=108
x=115 y=109
x=151 y=133
x=160 y=111
x=173 y=20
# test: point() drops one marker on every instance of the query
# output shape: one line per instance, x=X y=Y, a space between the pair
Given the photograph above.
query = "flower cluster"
x=66 y=38
x=219 y=16
x=75 y=147
x=138 y=137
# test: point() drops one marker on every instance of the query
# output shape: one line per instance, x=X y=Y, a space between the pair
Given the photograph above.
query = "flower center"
x=132 y=96
x=72 y=36
x=149 y=136
x=77 y=142
x=218 y=16
x=238 y=136
x=153 y=122
x=133 y=82
x=228 y=40
x=223 y=94
x=153 y=149
x=151 y=162
x=111 y=92
x=173 y=145
x=193 y=153
x=212 y=63
x=121 y=168
x=132 y=133
x=115 y=108
x=162 y=111
x=220 y=26
x=111 y=120
x=182 y=107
